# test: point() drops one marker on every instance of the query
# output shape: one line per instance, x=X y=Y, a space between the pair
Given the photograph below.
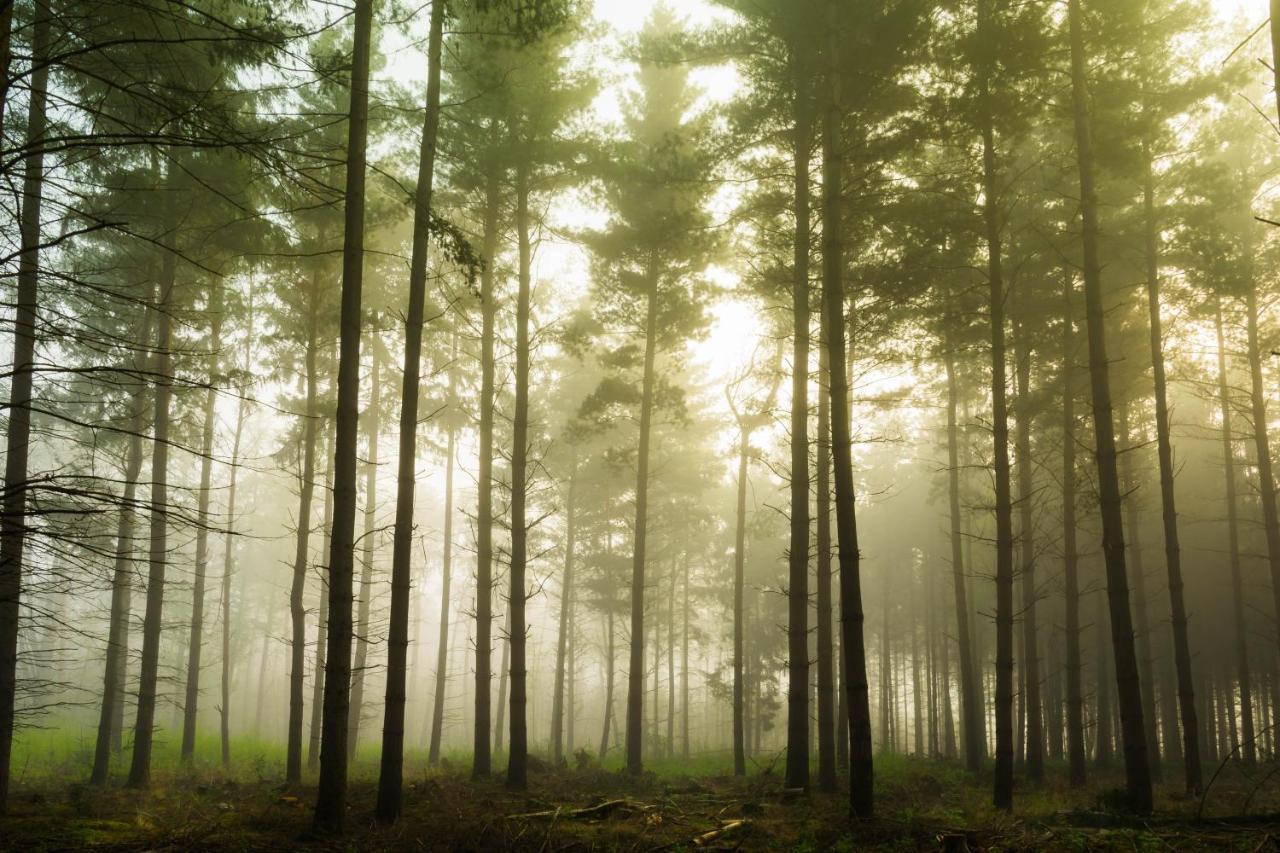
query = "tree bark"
x=1243 y=674
x=566 y=594
x=1077 y=772
x=1137 y=766
x=111 y=710
x=391 y=763
x=1032 y=700
x=1169 y=512
x=481 y=762
x=330 y=814
x=302 y=554
x=442 y=647
x=195 y=643
x=635 y=676
x=140 y=768
x=797 y=766
x=1262 y=443
x=852 y=619
x=13 y=524
x=373 y=430
x=739 y=614
x=229 y=562
x=974 y=750
x=827 y=759
x=322 y=616
x=1003 y=789
x=517 y=753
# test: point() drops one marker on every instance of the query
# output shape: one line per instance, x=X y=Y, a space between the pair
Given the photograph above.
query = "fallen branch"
x=707 y=837
x=598 y=810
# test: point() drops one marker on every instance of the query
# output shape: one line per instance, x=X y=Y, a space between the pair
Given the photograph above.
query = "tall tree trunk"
x=442 y=647
x=1026 y=493
x=826 y=629
x=330 y=814
x=739 y=563
x=971 y=716
x=322 y=616
x=140 y=768
x=852 y=619
x=635 y=676
x=1070 y=555
x=608 y=684
x=517 y=756
x=1003 y=791
x=1169 y=512
x=562 y=632
x=302 y=554
x=195 y=643
x=499 y=728
x=13 y=524
x=391 y=764
x=373 y=429
x=1141 y=618
x=1137 y=767
x=1243 y=674
x=229 y=558
x=111 y=710
x=684 y=670
x=1262 y=443
x=797 y=767
x=482 y=762
x=1103 y=686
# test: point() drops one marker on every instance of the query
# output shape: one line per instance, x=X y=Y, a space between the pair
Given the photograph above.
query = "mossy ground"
x=922 y=805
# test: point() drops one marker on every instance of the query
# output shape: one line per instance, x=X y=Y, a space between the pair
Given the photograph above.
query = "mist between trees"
x=768 y=385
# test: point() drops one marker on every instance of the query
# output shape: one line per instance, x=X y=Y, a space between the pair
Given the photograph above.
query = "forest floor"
x=922 y=805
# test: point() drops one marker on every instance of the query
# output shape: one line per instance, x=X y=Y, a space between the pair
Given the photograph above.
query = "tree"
x=330 y=814
x=13 y=532
x=1133 y=730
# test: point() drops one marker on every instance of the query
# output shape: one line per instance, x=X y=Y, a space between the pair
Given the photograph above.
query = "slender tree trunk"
x=373 y=430
x=826 y=629
x=1137 y=766
x=608 y=684
x=517 y=758
x=562 y=639
x=635 y=677
x=229 y=560
x=140 y=768
x=971 y=717
x=481 y=762
x=861 y=774
x=442 y=648
x=684 y=669
x=499 y=728
x=739 y=563
x=1169 y=512
x=1026 y=495
x=1243 y=674
x=1003 y=793
x=122 y=577
x=391 y=764
x=1070 y=555
x=322 y=616
x=13 y=523
x=330 y=814
x=797 y=767
x=1262 y=443
x=1103 y=685
x=302 y=554
x=195 y=643
x=1142 y=620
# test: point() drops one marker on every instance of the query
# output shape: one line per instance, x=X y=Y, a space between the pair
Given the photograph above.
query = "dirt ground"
x=921 y=806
